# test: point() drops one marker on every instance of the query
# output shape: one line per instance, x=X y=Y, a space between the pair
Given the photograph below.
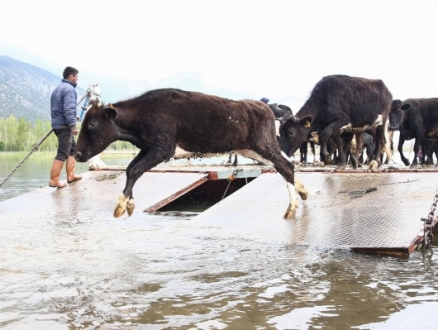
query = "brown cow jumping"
x=160 y=120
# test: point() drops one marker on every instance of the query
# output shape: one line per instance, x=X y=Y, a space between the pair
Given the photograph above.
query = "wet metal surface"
x=100 y=192
x=353 y=211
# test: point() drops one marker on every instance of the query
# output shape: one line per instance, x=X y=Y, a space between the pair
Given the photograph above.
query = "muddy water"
x=156 y=271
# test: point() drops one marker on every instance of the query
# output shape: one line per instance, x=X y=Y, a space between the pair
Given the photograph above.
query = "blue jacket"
x=63 y=105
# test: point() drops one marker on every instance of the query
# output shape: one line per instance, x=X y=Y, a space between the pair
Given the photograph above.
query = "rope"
x=35 y=148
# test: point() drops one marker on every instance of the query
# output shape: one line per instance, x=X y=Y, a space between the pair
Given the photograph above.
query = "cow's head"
x=396 y=114
x=98 y=131
x=293 y=132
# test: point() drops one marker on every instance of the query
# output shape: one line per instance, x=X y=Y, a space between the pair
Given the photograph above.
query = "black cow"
x=429 y=148
x=280 y=110
x=160 y=120
x=416 y=119
x=338 y=106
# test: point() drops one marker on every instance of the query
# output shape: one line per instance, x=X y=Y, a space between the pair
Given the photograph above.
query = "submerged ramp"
x=96 y=194
x=363 y=212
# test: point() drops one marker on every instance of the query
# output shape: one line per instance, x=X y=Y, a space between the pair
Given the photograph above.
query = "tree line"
x=21 y=135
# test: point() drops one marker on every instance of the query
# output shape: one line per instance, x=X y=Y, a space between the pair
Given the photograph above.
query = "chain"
x=428 y=223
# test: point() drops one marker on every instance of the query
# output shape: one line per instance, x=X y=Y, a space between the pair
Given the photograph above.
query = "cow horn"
x=285 y=117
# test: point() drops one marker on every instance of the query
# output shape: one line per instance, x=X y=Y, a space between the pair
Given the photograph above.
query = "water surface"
x=155 y=271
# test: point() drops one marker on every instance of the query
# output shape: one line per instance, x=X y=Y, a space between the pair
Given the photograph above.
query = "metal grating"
x=385 y=219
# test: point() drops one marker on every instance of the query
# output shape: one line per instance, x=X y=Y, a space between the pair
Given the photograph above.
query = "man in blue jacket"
x=63 y=107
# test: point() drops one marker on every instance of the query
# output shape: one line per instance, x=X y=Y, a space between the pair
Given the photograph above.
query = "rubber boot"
x=70 y=168
x=55 y=173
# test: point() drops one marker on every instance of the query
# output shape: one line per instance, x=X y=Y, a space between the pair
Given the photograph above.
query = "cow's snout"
x=77 y=156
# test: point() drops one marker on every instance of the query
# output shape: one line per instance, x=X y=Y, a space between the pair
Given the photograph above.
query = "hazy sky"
x=277 y=49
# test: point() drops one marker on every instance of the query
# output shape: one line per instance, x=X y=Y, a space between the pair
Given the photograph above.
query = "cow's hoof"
x=130 y=207
x=121 y=206
x=406 y=163
x=291 y=211
x=374 y=165
x=299 y=187
x=340 y=167
x=303 y=193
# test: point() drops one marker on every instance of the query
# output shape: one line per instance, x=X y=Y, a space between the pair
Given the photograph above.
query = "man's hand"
x=75 y=131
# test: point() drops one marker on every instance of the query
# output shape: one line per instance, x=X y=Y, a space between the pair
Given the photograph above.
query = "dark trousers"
x=66 y=143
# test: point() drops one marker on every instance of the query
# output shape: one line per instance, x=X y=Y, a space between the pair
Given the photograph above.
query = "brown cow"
x=160 y=120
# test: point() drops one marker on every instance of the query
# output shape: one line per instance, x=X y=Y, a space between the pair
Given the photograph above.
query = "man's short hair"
x=68 y=71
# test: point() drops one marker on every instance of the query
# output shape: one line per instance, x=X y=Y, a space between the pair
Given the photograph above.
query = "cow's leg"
x=401 y=141
x=235 y=160
x=339 y=141
x=144 y=161
x=435 y=150
x=388 y=147
x=347 y=140
x=359 y=147
x=312 y=146
x=417 y=146
x=128 y=201
x=380 y=141
x=303 y=152
x=325 y=136
x=286 y=169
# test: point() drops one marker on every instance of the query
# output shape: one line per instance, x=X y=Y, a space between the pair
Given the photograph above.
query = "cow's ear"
x=306 y=121
x=110 y=112
x=406 y=106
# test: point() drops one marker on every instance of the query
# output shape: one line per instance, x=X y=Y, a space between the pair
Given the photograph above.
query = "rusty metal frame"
x=176 y=195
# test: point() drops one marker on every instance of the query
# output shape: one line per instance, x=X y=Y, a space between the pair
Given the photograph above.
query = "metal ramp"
x=100 y=192
x=338 y=213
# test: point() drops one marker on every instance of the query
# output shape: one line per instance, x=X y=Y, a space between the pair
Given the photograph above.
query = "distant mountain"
x=25 y=90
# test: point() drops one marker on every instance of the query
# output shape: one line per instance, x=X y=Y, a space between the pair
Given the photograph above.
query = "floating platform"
x=369 y=212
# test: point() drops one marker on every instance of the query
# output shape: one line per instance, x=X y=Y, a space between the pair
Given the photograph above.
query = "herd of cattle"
x=340 y=109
